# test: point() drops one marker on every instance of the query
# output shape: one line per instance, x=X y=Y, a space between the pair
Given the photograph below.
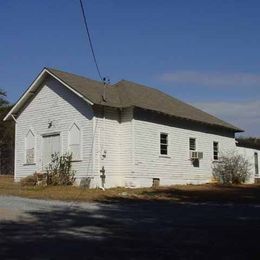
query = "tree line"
x=6 y=137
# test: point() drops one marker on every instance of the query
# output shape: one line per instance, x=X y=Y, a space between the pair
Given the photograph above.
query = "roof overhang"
x=33 y=88
x=233 y=129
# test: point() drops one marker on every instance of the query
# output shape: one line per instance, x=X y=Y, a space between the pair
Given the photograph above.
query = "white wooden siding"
x=127 y=146
x=176 y=167
x=57 y=104
x=112 y=145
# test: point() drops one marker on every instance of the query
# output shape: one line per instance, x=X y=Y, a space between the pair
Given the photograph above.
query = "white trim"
x=25 y=147
x=15 y=152
x=196 y=148
x=215 y=160
x=70 y=88
x=94 y=141
x=14 y=118
x=25 y=94
x=80 y=141
x=167 y=144
x=133 y=142
x=34 y=84
x=41 y=166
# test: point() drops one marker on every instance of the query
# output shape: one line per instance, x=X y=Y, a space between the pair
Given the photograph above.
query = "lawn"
x=176 y=193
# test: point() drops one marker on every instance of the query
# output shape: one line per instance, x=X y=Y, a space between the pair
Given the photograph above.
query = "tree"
x=250 y=142
x=6 y=137
x=3 y=101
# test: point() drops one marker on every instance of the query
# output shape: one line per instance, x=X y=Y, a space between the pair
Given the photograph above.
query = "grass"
x=177 y=193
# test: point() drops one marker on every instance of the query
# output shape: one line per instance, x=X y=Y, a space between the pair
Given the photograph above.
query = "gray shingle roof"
x=126 y=94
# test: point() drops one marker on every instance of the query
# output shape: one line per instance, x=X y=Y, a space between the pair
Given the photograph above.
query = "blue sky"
x=203 y=52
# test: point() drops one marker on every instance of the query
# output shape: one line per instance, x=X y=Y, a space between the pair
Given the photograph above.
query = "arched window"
x=30 y=148
x=74 y=142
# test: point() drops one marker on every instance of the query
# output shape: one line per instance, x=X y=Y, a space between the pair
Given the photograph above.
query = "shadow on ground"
x=208 y=193
x=135 y=230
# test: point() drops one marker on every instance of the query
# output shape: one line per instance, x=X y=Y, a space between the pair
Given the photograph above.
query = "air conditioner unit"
x=200 y=155
x=194 y=155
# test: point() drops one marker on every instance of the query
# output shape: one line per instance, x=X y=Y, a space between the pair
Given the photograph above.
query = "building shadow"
x=134 y=230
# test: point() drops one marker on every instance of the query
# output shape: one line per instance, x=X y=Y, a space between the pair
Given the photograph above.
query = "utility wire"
x=89 y=39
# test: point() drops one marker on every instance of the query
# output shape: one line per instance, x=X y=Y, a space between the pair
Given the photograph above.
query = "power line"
x=89 y=39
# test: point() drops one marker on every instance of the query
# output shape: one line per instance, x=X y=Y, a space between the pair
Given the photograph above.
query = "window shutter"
x=74 y=142
x=30 y=147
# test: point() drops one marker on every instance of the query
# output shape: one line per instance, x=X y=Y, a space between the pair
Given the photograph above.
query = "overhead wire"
x=90 y=41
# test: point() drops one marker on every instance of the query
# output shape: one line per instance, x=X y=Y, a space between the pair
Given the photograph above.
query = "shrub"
x=30 y=180
x=231 y=169
x=59 y=170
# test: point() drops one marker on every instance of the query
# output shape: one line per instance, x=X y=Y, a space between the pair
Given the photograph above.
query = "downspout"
x=103 y=150
x=15 y=130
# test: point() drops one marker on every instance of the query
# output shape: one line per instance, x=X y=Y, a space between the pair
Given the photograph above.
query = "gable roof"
x=126 y=94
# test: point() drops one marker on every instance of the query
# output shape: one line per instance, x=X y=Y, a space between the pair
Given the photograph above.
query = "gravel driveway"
x=37 y=229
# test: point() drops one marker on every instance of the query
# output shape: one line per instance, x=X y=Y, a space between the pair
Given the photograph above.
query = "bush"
x=59 y=170
x=231 y=169
x=30 y=180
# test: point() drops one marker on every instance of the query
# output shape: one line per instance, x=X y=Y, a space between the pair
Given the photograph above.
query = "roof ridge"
x=76 y=75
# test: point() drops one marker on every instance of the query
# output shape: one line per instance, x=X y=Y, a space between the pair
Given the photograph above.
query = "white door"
x=51 y=145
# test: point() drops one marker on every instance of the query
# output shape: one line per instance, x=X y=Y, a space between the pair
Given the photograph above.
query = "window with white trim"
x=192 y=144
x=164 y=144
x=74 y=142
x=30 y=148
x=215 y=151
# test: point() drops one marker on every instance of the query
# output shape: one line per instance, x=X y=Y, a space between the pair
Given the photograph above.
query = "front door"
x=51 y=145
x=256 y=164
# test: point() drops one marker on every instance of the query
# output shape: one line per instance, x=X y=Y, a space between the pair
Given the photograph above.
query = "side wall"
x=176 y=167
x=113 y=145
x=54 y=103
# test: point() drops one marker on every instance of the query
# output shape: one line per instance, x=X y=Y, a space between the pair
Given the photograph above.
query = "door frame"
x=42 y=144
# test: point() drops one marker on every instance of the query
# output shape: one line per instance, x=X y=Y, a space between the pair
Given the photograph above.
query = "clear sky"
x=203 y=52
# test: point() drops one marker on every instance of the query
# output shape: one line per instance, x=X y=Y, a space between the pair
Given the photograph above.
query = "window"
x=74 y=142
x=192 y=144
x=256 y=164
x=164 y=144
x=30 y=148
x=215 y=151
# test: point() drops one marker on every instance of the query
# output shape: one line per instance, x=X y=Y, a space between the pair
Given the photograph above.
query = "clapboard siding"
x=55 y=103
x=113 y=145
x=107 y=146
x=126 y=142
x=175 y=168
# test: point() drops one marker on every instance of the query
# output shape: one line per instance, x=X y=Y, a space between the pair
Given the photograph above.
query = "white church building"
x=133 y=132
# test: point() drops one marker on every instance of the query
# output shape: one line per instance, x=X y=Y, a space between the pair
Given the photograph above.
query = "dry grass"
x=66 y=193
x=176 y=193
